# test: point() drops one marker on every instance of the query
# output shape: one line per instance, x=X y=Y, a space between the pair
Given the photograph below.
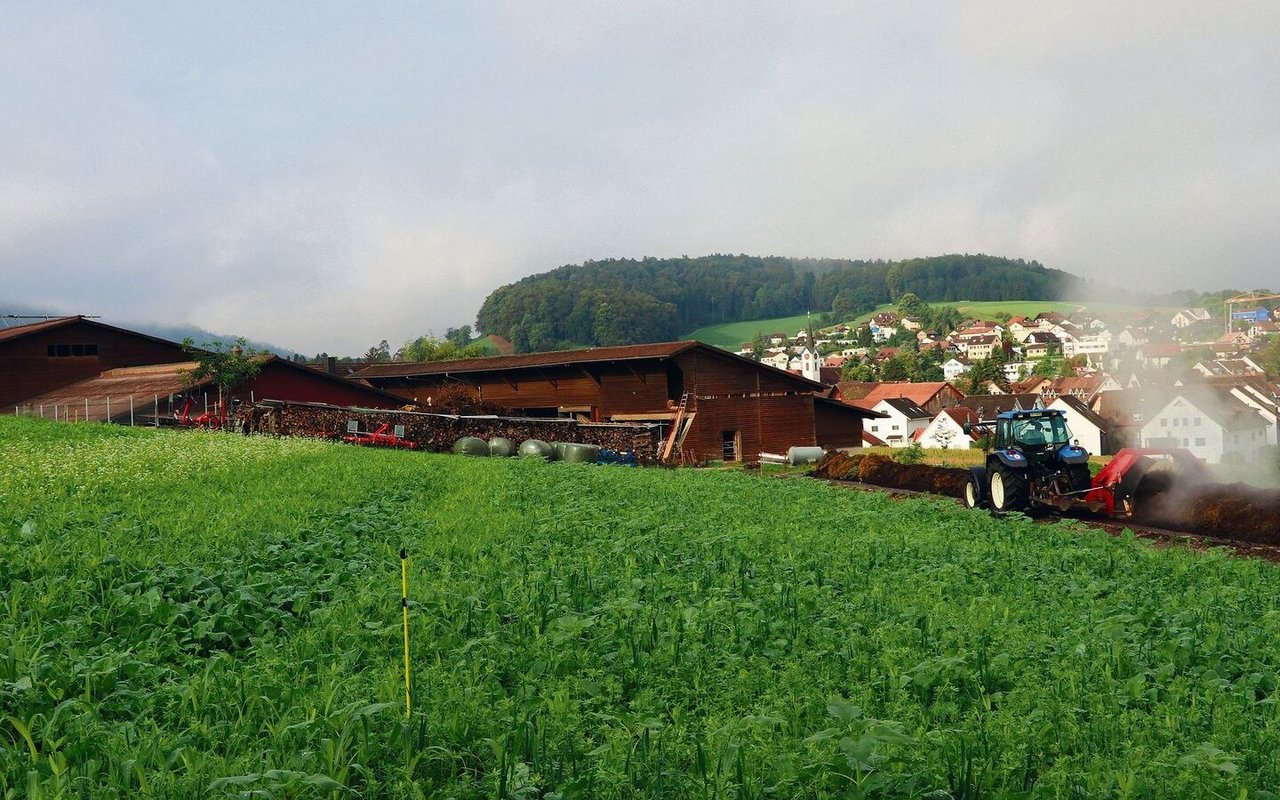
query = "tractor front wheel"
x=1079 y=477
x=974 y=497
x=1008 y=489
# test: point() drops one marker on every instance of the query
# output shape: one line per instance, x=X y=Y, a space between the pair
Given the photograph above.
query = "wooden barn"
x=76 y=368
x=723 y=406
x=53 y=353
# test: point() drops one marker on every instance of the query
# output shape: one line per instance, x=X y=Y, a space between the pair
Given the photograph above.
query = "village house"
x=1188 y=317
x=1158 y=354
x=1131 y=336
x=1039 y=344
x=1213 y=424
x=986 y=406
x=946 y=430
x=953 y=368
x=933 y=396
x=1092 y=348
x=1083 y=387
x=902 y=418
x=1237 y=367
x=1087 y=426
x=1256 y=395
x=1020 y=327
x=776 y=358
x=978 y=348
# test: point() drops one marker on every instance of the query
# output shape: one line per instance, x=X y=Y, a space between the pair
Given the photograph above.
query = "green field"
x=731 y=335
x=207 y=615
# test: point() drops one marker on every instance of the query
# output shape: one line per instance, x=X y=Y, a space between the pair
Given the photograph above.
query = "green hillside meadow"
x=732 y=335
x=208 y=615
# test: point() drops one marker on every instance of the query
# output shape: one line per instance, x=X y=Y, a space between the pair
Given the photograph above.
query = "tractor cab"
x=1035 y=434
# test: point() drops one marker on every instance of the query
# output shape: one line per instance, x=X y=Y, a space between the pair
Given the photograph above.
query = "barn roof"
x=165 y=379
x=20 y=331
x=28 y=328
x=556 y=358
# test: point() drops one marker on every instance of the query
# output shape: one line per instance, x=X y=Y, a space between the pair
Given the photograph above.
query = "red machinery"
x=382 y=436
x=1136 y=475
x=212 y=420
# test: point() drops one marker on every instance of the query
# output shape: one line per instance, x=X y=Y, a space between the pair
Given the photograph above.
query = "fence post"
x=108 y=408
x=41 y=407
x=86 y=409
x=130 y=411
x=156 y=409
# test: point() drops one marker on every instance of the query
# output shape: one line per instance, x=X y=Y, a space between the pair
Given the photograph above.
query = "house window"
x=1185 y=443
x=1197 y=419
x=1175 y=422
x=1199 y=441
x=731 y=445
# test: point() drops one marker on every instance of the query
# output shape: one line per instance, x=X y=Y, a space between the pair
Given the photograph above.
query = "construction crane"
x=1248 y=297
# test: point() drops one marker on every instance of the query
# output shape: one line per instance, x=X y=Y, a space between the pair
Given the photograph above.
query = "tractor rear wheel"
x=1008 y=489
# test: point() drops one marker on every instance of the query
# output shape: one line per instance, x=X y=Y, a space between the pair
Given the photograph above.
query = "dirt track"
x=1235 y=515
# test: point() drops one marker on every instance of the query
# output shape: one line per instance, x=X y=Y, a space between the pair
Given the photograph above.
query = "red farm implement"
x=382 y=436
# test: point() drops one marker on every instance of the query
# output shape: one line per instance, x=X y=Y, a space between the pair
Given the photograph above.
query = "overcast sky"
x=323 y=176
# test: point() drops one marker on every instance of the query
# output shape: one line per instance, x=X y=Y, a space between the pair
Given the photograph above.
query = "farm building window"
x=71 y=350
x=731 y=445
x=1199 y=441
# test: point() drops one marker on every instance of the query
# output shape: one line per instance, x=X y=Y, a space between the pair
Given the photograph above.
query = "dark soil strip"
x=1235 y=515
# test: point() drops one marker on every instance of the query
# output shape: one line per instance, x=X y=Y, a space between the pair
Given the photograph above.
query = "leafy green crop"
x=198 y=614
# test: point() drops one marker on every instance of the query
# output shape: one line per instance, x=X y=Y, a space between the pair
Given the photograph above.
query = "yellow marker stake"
x=404 y=605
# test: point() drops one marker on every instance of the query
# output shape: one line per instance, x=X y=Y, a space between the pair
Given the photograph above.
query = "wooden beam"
x=589 y=374
x=637 y=373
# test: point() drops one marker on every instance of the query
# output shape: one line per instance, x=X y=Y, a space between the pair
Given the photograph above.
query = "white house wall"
x=1088 y=434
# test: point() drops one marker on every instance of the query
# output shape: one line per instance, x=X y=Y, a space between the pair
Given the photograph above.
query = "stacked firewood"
x=436 y=432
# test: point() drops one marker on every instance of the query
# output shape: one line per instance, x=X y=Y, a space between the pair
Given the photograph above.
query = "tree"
x=911 y=306
x=459 y=336
x=379 y=353
x=943 y=435
x=227 y=367
x=429 y=348
x=856 y=371
x=1271 y=357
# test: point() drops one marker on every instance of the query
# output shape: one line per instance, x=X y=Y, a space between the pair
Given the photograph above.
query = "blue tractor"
x=1031 y=462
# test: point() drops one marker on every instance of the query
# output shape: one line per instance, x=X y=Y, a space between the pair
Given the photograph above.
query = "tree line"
x=628 y=301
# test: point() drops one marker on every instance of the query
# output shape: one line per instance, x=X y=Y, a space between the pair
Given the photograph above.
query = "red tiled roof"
x=920 y=393
x=962 y=414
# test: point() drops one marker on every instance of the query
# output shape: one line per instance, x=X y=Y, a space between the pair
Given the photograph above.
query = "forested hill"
x=625 y=301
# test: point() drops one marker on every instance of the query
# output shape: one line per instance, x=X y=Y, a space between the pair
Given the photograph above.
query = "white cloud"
x=324 y=179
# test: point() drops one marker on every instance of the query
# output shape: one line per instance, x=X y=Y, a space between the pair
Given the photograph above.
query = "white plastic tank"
x=804 y=455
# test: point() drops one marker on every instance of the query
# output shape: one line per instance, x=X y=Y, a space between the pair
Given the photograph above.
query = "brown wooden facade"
x=79 y=363
x=37 y=358
x=739 y=407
